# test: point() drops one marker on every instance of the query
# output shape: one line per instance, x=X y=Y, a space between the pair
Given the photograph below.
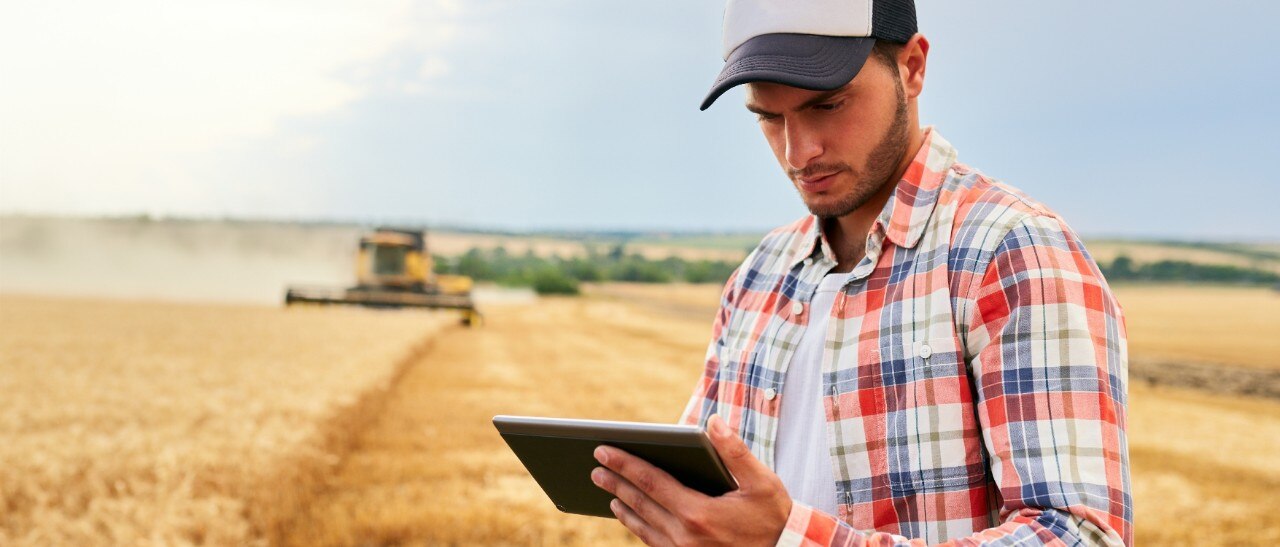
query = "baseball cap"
x=810 y=44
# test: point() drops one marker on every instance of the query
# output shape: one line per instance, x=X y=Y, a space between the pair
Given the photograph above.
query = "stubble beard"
x=882 y=164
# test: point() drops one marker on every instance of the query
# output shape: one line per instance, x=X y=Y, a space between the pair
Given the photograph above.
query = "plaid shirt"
x=973 y=375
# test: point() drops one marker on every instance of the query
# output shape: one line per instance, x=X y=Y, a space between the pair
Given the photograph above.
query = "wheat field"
x=147 y=423
x=1235 y=326
x=151 y=423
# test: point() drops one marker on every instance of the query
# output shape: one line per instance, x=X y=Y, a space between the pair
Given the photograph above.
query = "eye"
x=828 y=107
x=767 y=118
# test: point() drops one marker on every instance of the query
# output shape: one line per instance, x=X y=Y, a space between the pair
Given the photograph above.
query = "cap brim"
x=807 y=61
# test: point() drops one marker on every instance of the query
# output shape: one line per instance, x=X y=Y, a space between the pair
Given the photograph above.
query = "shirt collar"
x=904 y=216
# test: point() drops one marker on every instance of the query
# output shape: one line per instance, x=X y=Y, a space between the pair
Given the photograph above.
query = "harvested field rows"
x=434 y=471
x=133 y=423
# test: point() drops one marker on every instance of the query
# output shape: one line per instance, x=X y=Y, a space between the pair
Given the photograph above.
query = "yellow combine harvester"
x=393 y=270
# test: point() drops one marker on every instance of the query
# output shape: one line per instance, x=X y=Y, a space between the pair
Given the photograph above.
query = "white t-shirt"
x=803 y=453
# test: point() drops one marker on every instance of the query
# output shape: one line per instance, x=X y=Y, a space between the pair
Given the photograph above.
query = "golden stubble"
x=433 y=471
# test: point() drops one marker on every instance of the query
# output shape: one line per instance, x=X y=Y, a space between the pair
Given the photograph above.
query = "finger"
x=734 y=453
x=637 y=526
x=654 y=482
x=656 y=515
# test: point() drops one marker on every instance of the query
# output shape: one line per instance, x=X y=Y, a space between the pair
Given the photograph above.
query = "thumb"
x=734 y=453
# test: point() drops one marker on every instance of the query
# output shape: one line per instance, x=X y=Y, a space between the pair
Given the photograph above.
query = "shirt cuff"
x=807 y=527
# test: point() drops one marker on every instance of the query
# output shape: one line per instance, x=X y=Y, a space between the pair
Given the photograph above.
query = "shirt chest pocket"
x=734 y=378
x=934 y=440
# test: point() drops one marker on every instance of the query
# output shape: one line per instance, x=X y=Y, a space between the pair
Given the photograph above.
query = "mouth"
x=817 y=184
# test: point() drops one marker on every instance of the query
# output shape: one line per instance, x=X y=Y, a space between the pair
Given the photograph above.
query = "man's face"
x=837 y=147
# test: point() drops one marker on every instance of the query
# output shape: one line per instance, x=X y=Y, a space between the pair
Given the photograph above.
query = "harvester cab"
x=393 y=270
x=393 y=258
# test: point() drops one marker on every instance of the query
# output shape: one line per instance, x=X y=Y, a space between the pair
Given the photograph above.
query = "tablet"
x=559 y=454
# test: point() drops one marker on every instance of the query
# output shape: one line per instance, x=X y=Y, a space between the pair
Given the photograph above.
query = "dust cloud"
x=190 y=260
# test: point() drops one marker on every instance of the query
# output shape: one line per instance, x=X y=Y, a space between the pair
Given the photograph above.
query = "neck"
x=847 y=234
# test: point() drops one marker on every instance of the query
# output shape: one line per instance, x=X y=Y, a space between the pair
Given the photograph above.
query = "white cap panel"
x=746 y=19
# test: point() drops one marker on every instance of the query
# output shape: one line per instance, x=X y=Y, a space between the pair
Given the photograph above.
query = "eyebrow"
x=817 y=99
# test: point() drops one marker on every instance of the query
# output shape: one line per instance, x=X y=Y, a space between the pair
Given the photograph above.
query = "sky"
x=1131 y=119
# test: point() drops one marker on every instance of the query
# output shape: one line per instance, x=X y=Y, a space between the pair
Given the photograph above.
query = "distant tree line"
x=1123 y=268
x=559 y=275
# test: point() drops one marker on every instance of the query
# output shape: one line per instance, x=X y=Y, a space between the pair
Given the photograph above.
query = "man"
x=931 y=356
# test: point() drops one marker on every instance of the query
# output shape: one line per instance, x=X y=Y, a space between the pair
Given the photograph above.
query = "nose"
x=803 y=145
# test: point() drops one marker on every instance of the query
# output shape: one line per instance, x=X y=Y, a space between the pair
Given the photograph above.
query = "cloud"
x=107 y=105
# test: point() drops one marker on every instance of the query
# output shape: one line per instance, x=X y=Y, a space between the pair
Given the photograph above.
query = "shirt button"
x=808 y=261
x=770 y=394
x=925 y=351
x=797 y=307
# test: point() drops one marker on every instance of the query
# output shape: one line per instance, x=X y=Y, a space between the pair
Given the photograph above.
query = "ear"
x=912 y=59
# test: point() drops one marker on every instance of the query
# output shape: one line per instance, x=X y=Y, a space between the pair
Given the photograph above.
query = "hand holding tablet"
x=668 y=484
x=559 y=453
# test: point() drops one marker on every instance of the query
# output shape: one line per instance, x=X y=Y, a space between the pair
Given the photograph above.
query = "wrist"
x=788 y=507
